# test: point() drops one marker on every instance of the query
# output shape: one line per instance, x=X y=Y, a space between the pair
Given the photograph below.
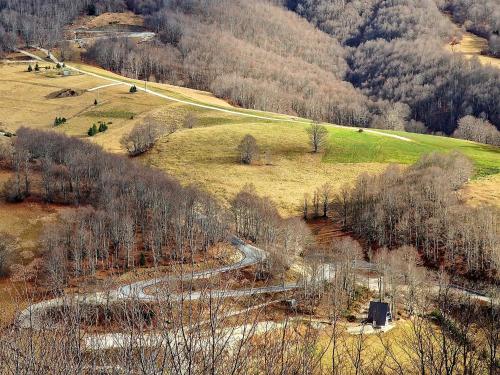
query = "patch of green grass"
x=113 y=113
x=351 y=146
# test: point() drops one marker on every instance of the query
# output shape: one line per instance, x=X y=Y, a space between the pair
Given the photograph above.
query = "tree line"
x=126 y=211
x=420 y=206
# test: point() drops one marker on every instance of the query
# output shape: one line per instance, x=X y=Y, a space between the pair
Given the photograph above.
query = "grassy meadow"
x=206 y=156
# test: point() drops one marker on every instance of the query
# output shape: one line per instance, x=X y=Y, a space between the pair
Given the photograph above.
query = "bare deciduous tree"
x=318 y=135
x=477 y=130
x=144 y=136
x=190 y=121
x=248 y=149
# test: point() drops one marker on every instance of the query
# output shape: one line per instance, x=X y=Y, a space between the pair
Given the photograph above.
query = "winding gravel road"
x=33 y=315
x=251 y=256
x=205 y=106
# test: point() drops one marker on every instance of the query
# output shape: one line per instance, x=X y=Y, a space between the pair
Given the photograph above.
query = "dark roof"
x=378 y=312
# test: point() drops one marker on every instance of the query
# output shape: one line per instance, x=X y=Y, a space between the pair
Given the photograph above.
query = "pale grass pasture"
x=208 y=158
x=471 y=46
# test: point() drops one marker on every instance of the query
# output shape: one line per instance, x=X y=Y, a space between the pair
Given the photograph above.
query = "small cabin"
x=379 y=314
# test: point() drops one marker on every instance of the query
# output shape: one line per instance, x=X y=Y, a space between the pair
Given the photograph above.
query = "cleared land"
x=206 y=156
x=471 y=45
x=108 y=19
x=483 y=191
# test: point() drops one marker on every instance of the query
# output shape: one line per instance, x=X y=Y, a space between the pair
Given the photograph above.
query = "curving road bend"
x=32 y=316
x=251 y=255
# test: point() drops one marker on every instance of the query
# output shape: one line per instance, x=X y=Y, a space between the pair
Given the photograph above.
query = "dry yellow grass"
x=471 y=45
x=24 y=102
x=374 y=350
x=105 y=19
x=23 y=97
x=207 y=158
x=191 y=94
x=485 y=191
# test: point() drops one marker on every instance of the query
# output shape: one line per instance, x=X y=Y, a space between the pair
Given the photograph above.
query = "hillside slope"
x=363 y=63
x=207 y=155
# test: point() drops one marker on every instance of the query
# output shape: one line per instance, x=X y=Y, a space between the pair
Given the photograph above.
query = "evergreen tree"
x=133 y=89
x=30 y=69
x=37 y=68
x=95 y=101
x=59 y=121
x=102 y=127
x=92 y=130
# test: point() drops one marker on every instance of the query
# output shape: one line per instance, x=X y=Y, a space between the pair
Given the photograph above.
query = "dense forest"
x=420 y=206
x=371 y=63
x=396 y=53
x=479 y=17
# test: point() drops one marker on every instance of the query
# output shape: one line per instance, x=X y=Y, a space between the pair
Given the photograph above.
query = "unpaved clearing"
x=471 y=45
x=484 y=191
x=106 y=19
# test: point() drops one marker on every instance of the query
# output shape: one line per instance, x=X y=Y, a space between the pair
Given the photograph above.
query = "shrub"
x=351 y=318
x=30 y=69
x=133 y=89
x=6 y=245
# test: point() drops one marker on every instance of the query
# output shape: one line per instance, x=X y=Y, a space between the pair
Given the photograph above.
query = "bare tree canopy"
x=248 y=149
x=477 y=130
x=144 y=136
x=420 y=207
x=318 y=136
x=191 y=120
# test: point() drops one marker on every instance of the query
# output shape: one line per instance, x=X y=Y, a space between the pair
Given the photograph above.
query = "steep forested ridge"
x=396 y=54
